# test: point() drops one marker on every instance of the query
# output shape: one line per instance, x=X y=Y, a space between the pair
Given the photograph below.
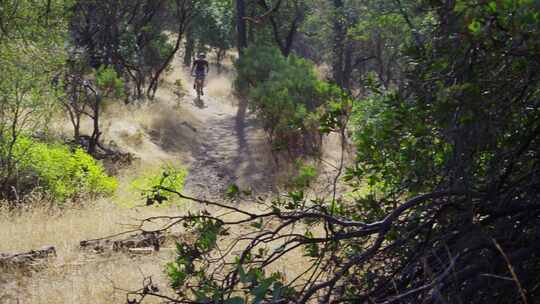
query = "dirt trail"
x=216 y=138
x=230 y=146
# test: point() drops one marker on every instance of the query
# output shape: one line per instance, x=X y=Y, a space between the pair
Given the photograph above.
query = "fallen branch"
x=26 y=259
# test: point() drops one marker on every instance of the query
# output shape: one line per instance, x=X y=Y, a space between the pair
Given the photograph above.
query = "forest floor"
x=216 y=139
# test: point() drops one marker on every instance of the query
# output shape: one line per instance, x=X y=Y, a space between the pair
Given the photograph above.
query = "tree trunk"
x=189 y=49
x=184 y=15
x=241 y=26
x=77 y=128
x=94 y=139
x=285 y=45
x=220 y=55
x=339 y=43
x=347 y=67
x=251 y=29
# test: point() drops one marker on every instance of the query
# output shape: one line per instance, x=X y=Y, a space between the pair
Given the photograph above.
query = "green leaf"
x=492 y=7
x=277 y=292
x=232 y=191
x=475 y=27
x=262 y=289
x=258 y=224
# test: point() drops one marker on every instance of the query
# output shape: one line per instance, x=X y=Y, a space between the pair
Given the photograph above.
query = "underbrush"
x=75 y=276
x=286 y=96
x=305 y=175
x=167 y=176
x=57 y=171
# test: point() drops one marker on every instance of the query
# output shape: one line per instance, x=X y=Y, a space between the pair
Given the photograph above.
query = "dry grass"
x=75 y=276
x=78 y=277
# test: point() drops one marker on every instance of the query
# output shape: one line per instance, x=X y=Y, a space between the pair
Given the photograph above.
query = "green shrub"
x=61 y=173
x=395 y=147
x=167 y=176
x=109 y=82
x=305 y=175
x=179 y=88
x=286 y=95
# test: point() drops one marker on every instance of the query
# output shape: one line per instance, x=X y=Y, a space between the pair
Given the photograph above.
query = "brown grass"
x=75 y=276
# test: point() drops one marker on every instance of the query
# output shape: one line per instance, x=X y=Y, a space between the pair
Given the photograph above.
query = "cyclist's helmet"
x=201 y=56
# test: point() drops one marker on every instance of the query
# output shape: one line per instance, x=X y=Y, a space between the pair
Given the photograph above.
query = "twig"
x=514 y=275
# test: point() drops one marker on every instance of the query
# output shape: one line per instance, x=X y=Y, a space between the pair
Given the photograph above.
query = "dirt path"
x=230 y=148
x=216 y=138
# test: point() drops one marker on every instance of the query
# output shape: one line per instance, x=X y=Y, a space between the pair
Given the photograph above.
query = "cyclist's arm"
x=207 y=67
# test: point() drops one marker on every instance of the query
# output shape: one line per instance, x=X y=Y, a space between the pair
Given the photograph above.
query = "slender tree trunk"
x=94 y=139
x=189 y=48
x=285 y=45
x=184 y=15
x=251 y=30
x=220 y=55
x=241 y=26
x=77 y=128
x=347 y=67
x=339 y=42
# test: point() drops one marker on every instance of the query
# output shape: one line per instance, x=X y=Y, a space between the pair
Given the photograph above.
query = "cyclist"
x=201 y=68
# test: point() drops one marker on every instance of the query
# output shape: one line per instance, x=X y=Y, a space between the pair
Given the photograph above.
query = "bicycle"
x=199 y=85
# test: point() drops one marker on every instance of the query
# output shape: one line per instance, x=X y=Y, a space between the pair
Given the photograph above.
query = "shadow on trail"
x=240 y=126
x=233 y=150
x=259 y=169
x=199 y=103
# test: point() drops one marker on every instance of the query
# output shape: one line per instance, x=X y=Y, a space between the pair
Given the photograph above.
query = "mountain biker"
x=201 y=68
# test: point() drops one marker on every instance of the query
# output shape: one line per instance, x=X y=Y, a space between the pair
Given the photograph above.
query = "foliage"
x=135 y=44
x=446 y=129
x=168 y=177
x=108 y=82
x=59 y=172
x=213 y=25
x=356 y=38
x=305 y=175
x=458 y=126
x=395 y=147
x=286 y=95
x=32 y=37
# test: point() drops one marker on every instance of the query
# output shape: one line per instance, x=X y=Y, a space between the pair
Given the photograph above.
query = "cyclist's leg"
x=202 y=84
x=198 y=85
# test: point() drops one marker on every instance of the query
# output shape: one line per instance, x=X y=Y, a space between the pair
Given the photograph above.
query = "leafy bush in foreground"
x=61 y=173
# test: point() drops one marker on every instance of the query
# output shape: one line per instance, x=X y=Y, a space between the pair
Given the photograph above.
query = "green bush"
x=61 y=173
x=168 y=176
x=109 y=82
x=395 y=147
x=286 y=95
x=305 y=175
